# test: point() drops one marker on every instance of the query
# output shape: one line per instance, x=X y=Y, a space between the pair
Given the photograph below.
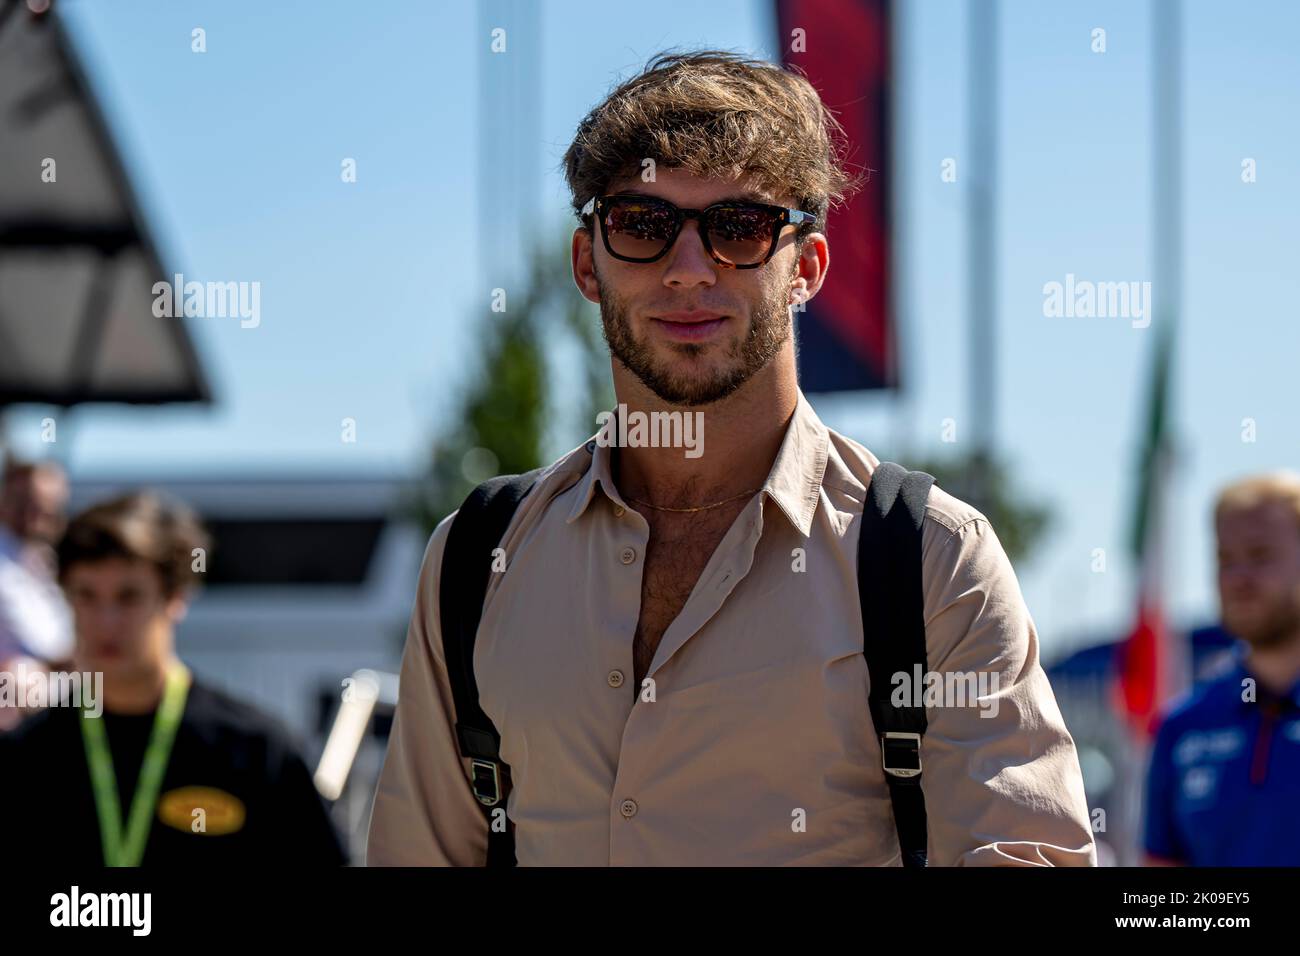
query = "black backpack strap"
x=475 y=533
x=893 y=627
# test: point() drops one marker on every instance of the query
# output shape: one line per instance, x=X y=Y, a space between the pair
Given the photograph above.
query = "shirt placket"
x=629 y=843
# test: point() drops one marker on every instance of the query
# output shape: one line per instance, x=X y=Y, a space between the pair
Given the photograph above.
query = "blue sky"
x=366 y=287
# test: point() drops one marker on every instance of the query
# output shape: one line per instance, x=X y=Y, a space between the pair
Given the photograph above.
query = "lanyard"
x=127 y=849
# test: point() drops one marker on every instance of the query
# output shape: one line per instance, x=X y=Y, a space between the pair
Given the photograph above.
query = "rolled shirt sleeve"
x=1001 y=779
x=425 y=813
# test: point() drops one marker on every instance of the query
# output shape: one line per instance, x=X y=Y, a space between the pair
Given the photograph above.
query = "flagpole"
x=982 y=129
x=1167 y=156
x=1167 y=239
x=508 y=171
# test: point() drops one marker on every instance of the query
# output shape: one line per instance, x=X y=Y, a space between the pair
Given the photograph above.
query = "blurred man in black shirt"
x=174 y=773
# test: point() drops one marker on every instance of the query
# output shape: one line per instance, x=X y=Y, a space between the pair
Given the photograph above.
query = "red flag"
x=844 y=47
x=1141 y=686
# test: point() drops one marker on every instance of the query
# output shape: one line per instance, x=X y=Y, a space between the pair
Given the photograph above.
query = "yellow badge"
x=201 y=810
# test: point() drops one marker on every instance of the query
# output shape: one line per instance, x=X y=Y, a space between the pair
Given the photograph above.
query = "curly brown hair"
x=141 y=525
x=715 y=114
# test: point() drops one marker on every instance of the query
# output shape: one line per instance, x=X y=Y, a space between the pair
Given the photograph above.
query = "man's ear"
x=810 y=267
x=582 y=255
x=178 y=605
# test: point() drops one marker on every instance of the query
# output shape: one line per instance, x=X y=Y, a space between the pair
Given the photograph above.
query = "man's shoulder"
x=849 y=468
x=215 y=712
x=37 y=730
x=550 y=481
x=1210 y=704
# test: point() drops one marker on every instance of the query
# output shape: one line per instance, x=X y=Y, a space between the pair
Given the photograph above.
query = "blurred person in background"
x=1224 y=781
x=35 y=623
x=174 y=772
x=34 y=619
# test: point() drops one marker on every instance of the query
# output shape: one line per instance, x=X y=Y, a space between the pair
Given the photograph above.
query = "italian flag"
x=1147 y=664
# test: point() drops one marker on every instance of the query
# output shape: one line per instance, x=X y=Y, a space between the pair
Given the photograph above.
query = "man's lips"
x=689 y=318
x=689 y=326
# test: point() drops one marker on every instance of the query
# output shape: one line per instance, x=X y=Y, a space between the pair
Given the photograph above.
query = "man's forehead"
x=683 y=188
x=1264 y=519
x=112 y=569
x=50 y=482
x=45 y=479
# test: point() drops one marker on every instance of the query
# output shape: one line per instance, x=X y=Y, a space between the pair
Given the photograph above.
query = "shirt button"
x=615 y=678
x=618 y=511
x=628 y=555
x=628 y=808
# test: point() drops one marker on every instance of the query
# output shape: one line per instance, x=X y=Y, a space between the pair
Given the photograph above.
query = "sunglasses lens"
x=638 y=228
x=741 y=234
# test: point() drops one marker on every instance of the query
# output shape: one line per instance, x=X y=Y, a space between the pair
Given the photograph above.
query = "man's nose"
x=1236 y=576
x=689 y=263
x=103 y=620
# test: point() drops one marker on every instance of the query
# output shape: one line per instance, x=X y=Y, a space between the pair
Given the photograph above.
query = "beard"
x=1273 y=628
x=768 y=331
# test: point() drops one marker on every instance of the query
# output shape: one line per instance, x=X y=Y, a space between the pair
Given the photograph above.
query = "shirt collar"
x=1240 y=672
x=794 y=481
x=599 y=473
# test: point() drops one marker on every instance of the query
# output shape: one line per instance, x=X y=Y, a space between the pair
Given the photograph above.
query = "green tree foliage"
x=501 y=421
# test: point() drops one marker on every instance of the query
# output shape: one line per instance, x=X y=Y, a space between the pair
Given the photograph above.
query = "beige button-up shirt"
x=758 y=746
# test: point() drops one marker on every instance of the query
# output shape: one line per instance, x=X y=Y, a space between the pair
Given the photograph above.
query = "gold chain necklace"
x=716 y=504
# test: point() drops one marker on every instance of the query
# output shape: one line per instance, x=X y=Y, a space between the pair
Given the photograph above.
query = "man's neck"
x=1276 y=667
x=739 y=440
x=138 y=694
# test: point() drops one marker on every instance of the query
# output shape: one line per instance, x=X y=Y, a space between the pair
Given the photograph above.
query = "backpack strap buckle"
x=485 y=767
x=485 y=781
x=900 y=754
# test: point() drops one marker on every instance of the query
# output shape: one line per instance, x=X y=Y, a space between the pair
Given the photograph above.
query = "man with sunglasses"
x=671 y=647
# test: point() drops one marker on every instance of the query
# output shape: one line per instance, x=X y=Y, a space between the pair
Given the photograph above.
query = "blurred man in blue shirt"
x=1224 y=783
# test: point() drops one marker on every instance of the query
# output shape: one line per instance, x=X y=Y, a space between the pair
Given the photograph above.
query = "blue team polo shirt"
x=1224 y=783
